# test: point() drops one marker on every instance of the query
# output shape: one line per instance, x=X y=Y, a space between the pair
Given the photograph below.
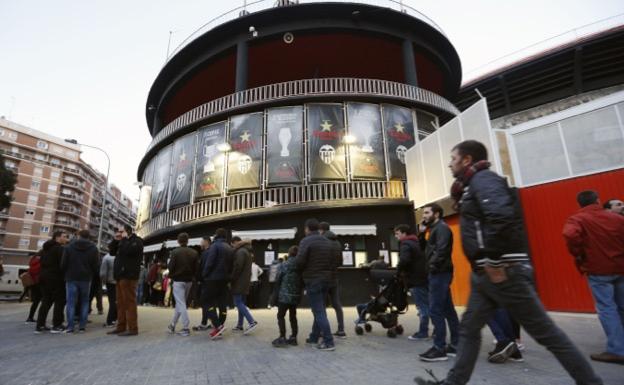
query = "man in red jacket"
x=595 y=237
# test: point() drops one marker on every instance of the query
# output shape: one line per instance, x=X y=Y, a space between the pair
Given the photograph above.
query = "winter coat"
x=492 y=230
x=412 y=262
x=289 y=284
x=80 y=261
x=51 y=262
x=241 y=268
x=128 y=258
x=218 y=261
x=438 y=248
x=316 y=259
x=595 y=237
x=183 y=264
x=106 y=269
x=336 y=246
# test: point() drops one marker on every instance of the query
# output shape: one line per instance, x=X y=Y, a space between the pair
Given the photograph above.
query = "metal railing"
x=71 y=210
x=302 y=88
x=72 y=197
x=260 y=5
x=273 y=197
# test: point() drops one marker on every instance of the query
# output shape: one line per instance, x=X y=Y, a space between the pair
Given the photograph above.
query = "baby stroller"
x=386 y=306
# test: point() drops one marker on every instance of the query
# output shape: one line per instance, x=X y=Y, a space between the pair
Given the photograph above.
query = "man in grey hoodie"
x=108 y=278
x=80 y=264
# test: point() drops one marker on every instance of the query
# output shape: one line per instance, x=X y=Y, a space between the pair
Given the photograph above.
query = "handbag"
x=157 y=286
x=27 y=279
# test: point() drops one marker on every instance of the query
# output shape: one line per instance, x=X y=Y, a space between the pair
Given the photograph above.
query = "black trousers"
x=35 y=297
x=519 y=298
x=96 y=291
x=292 y=316
x=52 y=292
x=111 y=292
x=215 y=297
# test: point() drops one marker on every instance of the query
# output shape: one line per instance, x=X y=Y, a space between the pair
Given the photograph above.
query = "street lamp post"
x=74 y=141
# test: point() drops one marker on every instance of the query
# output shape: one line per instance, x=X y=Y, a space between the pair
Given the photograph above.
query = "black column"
x=409 y=65
x=241 y=66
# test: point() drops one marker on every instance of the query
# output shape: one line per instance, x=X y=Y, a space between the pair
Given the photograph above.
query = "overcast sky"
x=82 y=69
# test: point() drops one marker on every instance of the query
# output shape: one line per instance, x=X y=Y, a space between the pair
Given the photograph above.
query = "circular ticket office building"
x=290 y=112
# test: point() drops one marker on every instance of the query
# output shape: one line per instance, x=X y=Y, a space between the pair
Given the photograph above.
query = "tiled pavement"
x=155 y=357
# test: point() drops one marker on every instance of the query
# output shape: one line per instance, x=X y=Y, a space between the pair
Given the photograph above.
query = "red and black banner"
x=181 y=182
x=245 y=157
x=210 y=165
x=399 y=125
x=160 y=187
x=284 y=145
x=367 y=152
x=326 y=151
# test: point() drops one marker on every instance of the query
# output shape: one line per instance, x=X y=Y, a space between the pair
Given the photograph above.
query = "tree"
x=8 y=179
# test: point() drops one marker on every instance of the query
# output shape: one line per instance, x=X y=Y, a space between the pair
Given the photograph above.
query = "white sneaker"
x=250 y=328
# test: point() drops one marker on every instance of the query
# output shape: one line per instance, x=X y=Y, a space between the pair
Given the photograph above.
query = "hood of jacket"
x=409 y=237
x=330 y=235
x=244 y=243
x=81 y=244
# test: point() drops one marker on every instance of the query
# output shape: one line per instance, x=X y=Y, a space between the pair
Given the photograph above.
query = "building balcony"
x=334 y=194
x=67 y=224
x=69 y=210
x=72 y=184
x=72 y=197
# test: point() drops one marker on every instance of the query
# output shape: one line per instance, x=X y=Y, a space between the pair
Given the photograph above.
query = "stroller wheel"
x=358 y=330
x=392 y=333
x=399 y=329
x=368 y=327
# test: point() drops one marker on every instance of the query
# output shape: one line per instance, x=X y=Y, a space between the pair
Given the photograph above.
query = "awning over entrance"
x=354 y=229
x=170 y=245
x=266 y=234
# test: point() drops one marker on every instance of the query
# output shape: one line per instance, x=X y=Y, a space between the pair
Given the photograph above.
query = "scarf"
x=457 y=189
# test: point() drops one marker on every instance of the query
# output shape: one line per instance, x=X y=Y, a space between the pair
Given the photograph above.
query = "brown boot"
x=608 y=357
x=128 y=333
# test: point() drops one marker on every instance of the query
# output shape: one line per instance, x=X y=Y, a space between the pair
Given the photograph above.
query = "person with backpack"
x=288 y=286
x=34 y=268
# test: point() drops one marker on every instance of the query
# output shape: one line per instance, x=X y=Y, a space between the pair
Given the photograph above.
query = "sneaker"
x=184 y=333
x=520 y=345
x=340 y=334
x=501 y=353
x=418 y=337
x=237 y=329
x=292 y=341
x=325 y=347
x=68 y=331
x=608 y=357
x=111 y=325
x=29 y=321
x=516 y=357
x=310 y=341
x=57 y=330
x=201 y=328
x=217 y=332
x=433 y=355
x=280 y=342
x=41 y=329
x=170 y=329
x=251 y=328
x=81 y=330
x=450 y=351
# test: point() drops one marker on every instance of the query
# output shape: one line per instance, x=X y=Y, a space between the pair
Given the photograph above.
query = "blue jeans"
x=317 y=292
x=77 y=291
x=239 y=302
x=608 y=292
x=501 y=326
x=420 y=295
x=442 y=310
x=140 y=293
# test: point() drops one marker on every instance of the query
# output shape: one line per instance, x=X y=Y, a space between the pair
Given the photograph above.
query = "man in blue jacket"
x=217 y=266
x=492 y=236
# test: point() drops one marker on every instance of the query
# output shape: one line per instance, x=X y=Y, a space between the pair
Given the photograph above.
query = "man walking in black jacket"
x=128 y=254
x=334 y=293
x=412 y=267
x=438 y=250
x=215 y=276
x=182 y=269
x=492 y=238
x=80 y=264
x=317 y=264
x=52 y=283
